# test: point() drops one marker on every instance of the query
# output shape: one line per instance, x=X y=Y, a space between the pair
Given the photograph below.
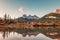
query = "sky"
x=16 y=8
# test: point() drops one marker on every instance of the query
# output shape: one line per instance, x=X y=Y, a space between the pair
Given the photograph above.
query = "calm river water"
x=16 y=36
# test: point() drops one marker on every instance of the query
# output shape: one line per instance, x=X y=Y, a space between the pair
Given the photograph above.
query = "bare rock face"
x=58 y=11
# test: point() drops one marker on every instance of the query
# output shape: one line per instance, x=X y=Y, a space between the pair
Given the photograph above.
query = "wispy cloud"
x=21 y=9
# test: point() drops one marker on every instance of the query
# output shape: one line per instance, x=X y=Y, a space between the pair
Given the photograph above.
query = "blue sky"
x=33 y=7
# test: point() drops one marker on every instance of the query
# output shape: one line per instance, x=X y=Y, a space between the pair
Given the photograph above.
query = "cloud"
x=21 y=9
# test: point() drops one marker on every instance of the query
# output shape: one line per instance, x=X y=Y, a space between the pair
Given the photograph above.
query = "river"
x=17 y=36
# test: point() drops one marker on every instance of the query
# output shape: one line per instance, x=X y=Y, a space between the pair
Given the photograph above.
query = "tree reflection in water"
x=28 y=34
x=14 y=35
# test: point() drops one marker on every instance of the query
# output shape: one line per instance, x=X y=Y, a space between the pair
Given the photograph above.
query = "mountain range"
x=47 y=17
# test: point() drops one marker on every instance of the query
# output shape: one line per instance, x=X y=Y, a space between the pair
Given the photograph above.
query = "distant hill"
x=50 y=17
x=53 y=15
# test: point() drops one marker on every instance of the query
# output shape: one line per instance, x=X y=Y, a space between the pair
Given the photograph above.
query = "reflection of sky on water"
x=16 y=36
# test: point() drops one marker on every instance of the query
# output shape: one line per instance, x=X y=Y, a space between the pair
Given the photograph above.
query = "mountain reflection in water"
x=16 y=36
